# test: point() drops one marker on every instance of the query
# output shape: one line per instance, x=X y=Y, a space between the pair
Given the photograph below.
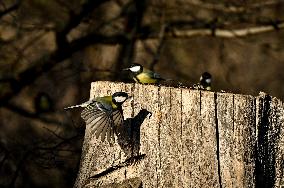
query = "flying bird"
x=103 y=114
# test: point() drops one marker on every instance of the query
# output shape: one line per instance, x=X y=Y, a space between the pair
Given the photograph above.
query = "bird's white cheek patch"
x=135 y=68
x=120 y=99
x=208 y=81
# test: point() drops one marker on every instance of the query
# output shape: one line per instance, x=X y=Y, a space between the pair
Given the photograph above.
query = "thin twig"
x=53 y=133
x=160 y=46
x=231 y=8
x=225 y=33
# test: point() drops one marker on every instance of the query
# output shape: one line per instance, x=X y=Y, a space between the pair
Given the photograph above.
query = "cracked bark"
x=193 y=139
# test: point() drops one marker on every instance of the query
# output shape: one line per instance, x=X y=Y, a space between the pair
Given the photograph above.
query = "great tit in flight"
x=142 y=75
x=103 y=114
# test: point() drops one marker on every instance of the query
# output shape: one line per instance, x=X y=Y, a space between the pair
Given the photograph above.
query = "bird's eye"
x=135 y=68
x=120 y=99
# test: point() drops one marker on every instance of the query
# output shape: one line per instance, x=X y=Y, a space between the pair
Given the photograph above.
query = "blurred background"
x=50 y=52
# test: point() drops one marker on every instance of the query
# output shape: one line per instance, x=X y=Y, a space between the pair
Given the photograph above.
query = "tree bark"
x=179 y=137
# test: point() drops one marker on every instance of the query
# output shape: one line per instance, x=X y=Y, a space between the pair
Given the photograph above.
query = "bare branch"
x=135 y=13
x=10 y=9
x=54 y=133
x=75 y=20
x=46 y=62
x=160 y=45
x=231 y=9
x=225 y=33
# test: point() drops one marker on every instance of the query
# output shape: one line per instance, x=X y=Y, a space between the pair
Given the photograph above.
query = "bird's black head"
x=135 y=68
x=119 y=98
x=206 y=77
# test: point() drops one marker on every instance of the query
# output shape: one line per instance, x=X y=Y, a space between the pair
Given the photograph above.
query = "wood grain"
x=178 y=137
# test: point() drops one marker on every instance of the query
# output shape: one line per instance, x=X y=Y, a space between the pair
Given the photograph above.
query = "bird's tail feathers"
x=75 y=106
x=83 y=105
x=168 y=79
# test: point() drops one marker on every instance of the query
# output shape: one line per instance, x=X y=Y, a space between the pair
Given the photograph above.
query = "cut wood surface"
x=179 y=137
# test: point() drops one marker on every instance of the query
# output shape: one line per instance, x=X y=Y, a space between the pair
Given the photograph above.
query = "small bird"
x=142 y=75
x=205 y=81
x=103 y=114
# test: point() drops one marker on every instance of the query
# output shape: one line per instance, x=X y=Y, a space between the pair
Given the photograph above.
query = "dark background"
x=53 y=50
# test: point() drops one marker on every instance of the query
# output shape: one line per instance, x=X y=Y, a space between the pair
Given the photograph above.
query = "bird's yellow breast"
x=145 y=78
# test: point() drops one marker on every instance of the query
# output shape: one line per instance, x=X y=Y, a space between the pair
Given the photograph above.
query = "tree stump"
x=179 y=137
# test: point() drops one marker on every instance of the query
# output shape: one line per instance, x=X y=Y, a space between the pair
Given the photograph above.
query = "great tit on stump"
x=103 y=114
x=205 y=81
x=142 y=75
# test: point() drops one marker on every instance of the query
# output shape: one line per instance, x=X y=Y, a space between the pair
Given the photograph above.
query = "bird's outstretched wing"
x=102 y=120
x=117 y=116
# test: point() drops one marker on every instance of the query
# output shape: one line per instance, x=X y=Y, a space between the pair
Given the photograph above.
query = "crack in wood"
x=159 y=140
x=217 y=140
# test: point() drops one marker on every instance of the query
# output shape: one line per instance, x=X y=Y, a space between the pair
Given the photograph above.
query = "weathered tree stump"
x=178 y=137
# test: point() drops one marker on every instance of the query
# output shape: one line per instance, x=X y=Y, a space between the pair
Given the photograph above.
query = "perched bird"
x=205 y=81
x=103 y=114
x=142 y=75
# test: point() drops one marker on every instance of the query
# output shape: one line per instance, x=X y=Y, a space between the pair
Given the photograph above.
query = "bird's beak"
x=126 y=69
